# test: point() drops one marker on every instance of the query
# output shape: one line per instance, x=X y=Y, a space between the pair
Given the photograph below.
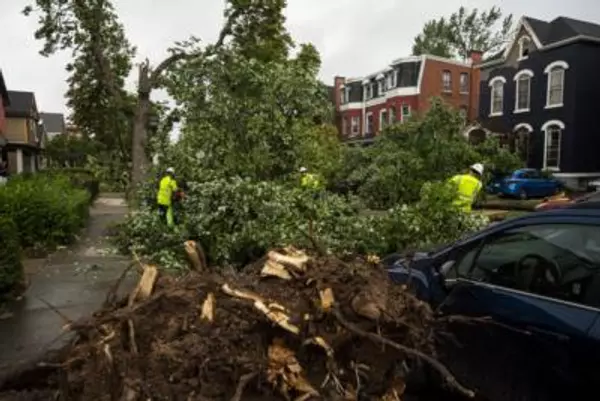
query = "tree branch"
x=169 y=61
x=436 y=365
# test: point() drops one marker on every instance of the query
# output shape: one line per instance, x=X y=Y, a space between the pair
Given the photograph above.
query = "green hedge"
x=11 y=269
x=79 y=177
x=47 y=209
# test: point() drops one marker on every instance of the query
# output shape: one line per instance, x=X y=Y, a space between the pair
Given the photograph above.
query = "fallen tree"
x=289 y=327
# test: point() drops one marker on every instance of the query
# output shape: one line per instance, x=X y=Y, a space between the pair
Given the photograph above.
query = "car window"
x=559 y=260
x=533 y=174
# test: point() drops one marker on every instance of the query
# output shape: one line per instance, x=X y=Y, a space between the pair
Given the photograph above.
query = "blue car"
x=534 y=282
x=525 y=183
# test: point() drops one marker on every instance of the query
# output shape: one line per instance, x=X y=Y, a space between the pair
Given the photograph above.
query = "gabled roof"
x=4 y=91
x=21 y=104
x=53 y=122
x=559 y=31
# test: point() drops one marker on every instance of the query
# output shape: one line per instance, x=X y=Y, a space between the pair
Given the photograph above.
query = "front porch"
x=21 y=158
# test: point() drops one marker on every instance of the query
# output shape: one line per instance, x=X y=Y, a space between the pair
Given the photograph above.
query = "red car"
x=561 y=200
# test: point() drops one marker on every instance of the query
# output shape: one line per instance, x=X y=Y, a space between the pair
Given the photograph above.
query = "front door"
x=541 y=285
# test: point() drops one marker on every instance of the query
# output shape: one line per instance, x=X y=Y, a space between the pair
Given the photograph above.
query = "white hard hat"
x=478 y=168
x=303 y=169
x=171 y=170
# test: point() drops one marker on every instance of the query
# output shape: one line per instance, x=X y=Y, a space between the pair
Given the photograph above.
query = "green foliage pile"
x=406 y=156
x=46 y=209
x=11 y=269
x=237 y=220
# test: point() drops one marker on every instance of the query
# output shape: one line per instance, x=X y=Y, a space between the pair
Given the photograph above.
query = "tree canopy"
x=464 y=31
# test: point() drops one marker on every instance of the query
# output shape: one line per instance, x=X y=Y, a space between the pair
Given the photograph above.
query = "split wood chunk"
x=277 y=315
x=319 y=341
x=274 y=269
x=146 y=284
x=196 y=261
x=275 y=312
x=364 y=306
x=226 y=288
x=296 y=262
x=327 y=299
x=208 y=308
x=285 y=371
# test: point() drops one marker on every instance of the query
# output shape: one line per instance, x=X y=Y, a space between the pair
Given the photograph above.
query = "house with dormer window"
x=540 y=95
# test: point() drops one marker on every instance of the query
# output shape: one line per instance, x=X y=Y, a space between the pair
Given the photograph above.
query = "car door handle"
x=548 y=333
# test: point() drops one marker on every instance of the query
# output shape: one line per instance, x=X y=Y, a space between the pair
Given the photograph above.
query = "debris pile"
x=288 y=327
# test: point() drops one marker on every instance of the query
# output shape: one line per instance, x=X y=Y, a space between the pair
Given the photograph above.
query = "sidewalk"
x=75 y=281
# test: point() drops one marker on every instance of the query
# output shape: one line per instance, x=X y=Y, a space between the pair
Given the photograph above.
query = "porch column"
x=19 y=161
x=32 y=162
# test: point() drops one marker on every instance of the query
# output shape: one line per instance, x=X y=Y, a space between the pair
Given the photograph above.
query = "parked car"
x=565 y=201
x=538 y=278
x=525 y=183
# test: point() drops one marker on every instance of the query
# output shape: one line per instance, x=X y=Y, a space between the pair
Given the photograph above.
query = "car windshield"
x=574 y=248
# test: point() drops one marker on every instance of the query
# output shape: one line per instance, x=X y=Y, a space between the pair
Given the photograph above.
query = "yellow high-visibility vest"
x=310 y=181
x=165 y=191
x=467 y=189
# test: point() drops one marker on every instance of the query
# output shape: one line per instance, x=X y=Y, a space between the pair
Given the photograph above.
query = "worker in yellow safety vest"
x=309 y=180
x=468 y=186
x=166 y=188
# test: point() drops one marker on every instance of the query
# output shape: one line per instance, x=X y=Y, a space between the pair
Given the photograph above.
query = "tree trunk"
x=139 y=161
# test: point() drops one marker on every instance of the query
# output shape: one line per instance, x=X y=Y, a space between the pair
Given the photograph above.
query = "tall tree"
x=66 y=24
x=92 y=31
x=464 y=31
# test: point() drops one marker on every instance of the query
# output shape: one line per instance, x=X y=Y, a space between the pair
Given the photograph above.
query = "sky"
x=354 y=37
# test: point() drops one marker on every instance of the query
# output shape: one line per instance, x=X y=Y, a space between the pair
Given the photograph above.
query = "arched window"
x=556 y=83
x=553 y=130
x=523 y=90
x=497 y=95
x=524 y=47
x=522 y=141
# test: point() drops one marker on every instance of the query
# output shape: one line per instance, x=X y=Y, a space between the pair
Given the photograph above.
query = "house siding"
x=586 y=142
x=17 y=130
x=578 y=146
x=2 y=116
x=432 y=85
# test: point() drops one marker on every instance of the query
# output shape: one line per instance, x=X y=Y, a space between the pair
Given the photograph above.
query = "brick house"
x=23 y=133
x=404 y=88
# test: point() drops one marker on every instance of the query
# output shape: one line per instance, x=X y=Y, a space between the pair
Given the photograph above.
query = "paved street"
x=75 y=281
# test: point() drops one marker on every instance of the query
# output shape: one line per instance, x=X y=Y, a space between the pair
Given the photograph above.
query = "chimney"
x=476 y=56
x=337 y=90
x=337 y=86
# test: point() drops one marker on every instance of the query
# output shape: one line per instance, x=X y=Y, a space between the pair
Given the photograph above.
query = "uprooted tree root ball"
x=288 y=327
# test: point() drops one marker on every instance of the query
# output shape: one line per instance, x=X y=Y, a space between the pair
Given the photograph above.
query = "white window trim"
x=521 y=40
x=468 y=83
x=407 y=115
x=528 y=73
x=545 y=127
x=369 y=114
x=555 y=64
x=523 y=125
x=491 y=85
x=354 y=119
x=381 y=120
x=449 y=73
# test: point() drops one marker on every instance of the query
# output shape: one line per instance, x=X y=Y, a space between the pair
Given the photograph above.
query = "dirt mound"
x=288 y=327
